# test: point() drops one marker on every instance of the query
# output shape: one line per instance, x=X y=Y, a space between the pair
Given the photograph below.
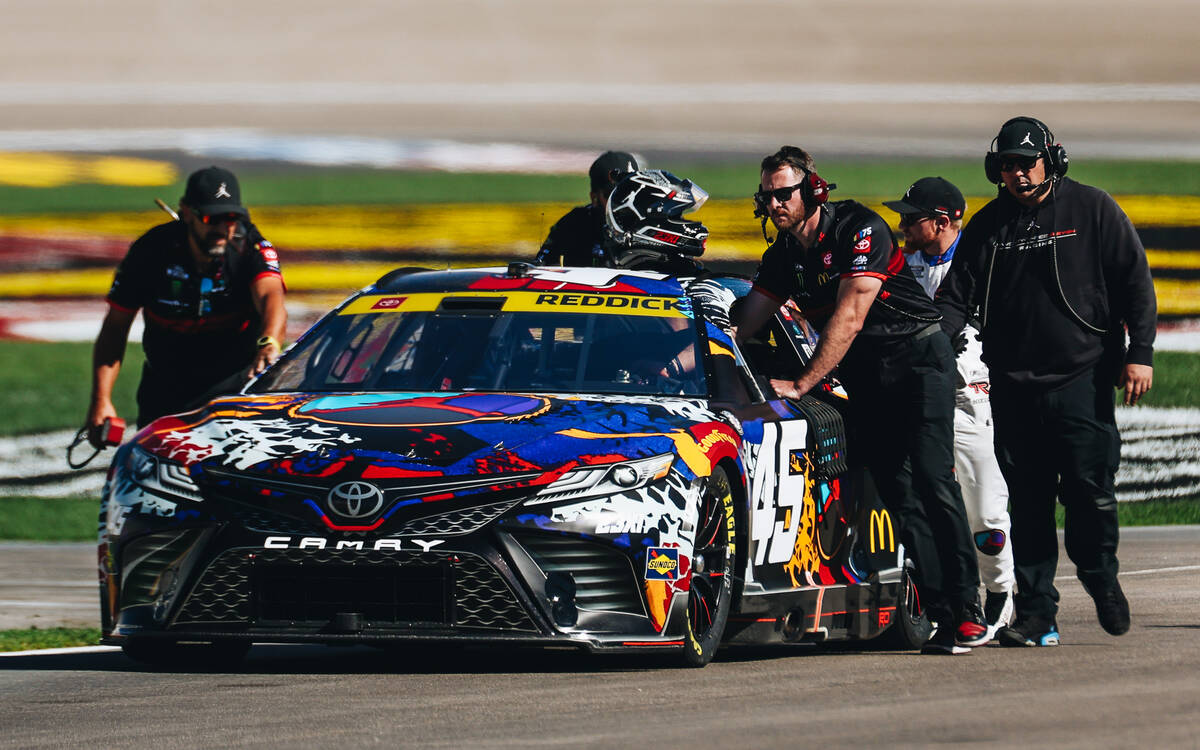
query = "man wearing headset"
x=840 y=265
x=931 y=219
x=1058 y=275
x=578 y=238
x=211 y=293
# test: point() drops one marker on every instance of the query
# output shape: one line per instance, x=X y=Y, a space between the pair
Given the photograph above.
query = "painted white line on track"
x=1146 y=572
x=48 y=584
x=324 y=93
x=58 y=651
x=45 y=605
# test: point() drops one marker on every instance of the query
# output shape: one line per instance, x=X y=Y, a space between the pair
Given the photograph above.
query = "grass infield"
x=267 y=186
x=37 y=638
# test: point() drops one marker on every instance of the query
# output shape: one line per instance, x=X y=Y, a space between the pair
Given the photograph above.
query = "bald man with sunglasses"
x=838 y=262
x=211 y=295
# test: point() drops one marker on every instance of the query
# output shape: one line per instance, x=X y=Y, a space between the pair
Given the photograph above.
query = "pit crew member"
x=211 y=295
x=931 y=218
x=839 y=264
x=577 y=239
x=1058 y=275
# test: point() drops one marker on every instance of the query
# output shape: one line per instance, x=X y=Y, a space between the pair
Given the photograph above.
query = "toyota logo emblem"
x=355 y=499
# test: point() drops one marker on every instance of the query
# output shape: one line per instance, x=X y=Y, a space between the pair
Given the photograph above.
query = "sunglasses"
x=1024 y=163
x=909 y=220
x=229 y=218
x=783 y=194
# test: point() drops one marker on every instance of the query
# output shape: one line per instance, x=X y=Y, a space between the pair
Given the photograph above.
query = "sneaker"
x=943 y=643
x=997 y=611
x=972 y=628
x=1112 y=609
x=1029 y=631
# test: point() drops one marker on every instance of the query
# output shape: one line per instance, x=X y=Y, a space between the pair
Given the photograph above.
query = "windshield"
x=519 y=341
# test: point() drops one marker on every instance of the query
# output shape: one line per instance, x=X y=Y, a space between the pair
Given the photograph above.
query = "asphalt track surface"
x=732 y=77
x=1094 y=690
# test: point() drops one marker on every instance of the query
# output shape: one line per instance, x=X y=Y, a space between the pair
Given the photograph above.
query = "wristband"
x=268 y=341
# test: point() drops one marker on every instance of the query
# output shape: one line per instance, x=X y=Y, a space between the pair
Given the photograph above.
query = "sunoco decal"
x=662 y=564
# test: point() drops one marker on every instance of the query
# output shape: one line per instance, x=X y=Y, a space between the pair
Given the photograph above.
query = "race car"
x=513 y=455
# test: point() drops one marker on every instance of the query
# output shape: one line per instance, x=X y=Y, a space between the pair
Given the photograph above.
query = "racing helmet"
x=644 y=211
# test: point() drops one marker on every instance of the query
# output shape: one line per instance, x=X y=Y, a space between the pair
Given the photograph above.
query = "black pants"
x=1062 y=444
x=160 y=394
x=902 y=428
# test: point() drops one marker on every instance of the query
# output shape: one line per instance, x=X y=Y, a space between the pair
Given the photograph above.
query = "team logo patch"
x=388 y=303
x=827 y=259
x=863 y=233
x=863 y=244
x=268 y=253
x=662 y=564
x=859 y=260
x=990 y=541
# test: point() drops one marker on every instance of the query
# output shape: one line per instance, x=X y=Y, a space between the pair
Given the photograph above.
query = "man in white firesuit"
x=931 y=217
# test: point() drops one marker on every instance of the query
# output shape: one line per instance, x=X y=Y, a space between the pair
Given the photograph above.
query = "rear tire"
x=912 y=626
x=710 y=592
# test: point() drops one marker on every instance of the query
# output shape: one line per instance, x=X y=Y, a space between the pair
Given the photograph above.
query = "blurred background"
x=374 y=134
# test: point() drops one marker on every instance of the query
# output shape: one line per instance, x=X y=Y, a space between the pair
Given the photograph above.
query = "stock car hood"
x=429 y=446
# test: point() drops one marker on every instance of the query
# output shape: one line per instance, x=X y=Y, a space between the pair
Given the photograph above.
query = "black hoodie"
x=1055 y=286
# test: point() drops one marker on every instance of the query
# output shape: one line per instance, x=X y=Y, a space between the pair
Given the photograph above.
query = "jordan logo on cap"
x=223 y=193
x=1023 y=142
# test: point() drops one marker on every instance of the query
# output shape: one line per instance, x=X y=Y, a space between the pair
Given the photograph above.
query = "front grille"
x=450 y=523
x=603 y=576
x=391 y=594
x=390 y=588
x=462 y=521
x=266 y=521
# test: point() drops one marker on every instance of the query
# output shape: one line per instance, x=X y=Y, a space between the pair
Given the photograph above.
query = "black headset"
x=1056 y=156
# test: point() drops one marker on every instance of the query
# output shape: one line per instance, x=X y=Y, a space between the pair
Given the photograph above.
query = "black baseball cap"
x=213 y=190
x=931 y=195
x=620 y=162
x=1022 y=137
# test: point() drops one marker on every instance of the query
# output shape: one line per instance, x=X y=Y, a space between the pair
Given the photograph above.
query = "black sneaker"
x=997 y=610
x=1029 y=631
x=1112 y=609
x=942 y=643
x=972 y=628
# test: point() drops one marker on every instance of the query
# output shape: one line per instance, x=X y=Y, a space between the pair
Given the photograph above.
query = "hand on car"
x=787 y=388
x=265 y=357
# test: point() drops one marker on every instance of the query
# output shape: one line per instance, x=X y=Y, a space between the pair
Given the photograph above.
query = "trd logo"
x=388 y=303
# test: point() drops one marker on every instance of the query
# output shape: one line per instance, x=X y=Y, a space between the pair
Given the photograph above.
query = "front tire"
x=710 y=592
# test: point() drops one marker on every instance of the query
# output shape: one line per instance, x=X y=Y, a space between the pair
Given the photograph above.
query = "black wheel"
x=711 y=585
x=214 y=656
x=911 y=627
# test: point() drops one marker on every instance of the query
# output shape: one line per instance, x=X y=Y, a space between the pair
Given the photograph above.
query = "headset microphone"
x=1033 y=188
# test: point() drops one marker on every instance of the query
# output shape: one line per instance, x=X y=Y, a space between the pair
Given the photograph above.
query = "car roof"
x=527 y=277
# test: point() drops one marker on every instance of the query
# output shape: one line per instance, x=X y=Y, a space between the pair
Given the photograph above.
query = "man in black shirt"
x=1057 y=274
x=211 y=294
x=577 y=239
x=840 y=265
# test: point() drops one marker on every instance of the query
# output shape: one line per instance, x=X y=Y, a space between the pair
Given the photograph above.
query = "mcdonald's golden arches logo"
x=881 y=530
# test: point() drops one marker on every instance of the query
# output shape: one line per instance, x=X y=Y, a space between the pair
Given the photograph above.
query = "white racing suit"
x=984 y=491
